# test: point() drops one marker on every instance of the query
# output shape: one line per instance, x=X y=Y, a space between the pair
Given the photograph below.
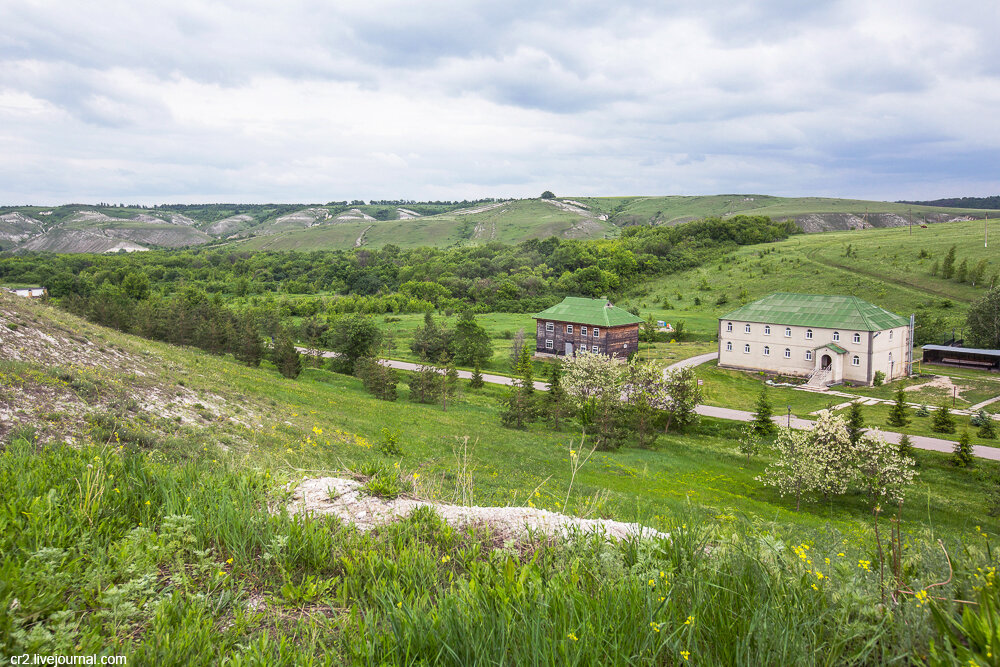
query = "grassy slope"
x=676 y=208
x=410 y=590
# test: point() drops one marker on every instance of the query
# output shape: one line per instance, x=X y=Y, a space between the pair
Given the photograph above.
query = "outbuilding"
x=595 y=325
x=828 y=339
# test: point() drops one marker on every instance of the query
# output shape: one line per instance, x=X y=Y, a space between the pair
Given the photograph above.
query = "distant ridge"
x=992 y=202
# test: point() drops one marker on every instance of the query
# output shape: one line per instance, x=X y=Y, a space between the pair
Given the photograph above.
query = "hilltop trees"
x=982 y=324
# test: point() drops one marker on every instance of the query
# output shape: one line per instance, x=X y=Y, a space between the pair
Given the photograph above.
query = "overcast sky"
x=251 y=101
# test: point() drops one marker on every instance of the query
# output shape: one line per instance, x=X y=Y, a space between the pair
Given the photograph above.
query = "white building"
x=30 y=292
x=828 y=339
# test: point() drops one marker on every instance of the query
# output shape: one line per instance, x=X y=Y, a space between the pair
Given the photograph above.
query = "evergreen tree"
x=762 y=425
x=855 y=423
x=476 y=381
x=935 y=267
x=897 y=414
x=518 y=407
x=449 y=384
x=285 y=356
x=988 y=429
x=249 y=346
x=962 y=274
x=948 y=265
x=471 y=341
x=555 y=403
x=425 y=384
x=943 y=421
x=962 y=455
x=905 y=446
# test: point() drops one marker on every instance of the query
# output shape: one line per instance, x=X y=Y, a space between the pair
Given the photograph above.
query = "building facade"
x=592 y=324
x=828 y=339
x=30 y=292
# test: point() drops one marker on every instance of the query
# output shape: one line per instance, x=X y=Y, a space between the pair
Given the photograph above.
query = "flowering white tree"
x=882 y=472
x=594 y=383
x=645 y=392
x=795 y=472
x=833 y=452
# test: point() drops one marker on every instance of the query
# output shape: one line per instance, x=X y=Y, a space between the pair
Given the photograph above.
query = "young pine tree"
x=905 y=447
x=988 y=429
x=285 y=356
x=761 y=423
x=948 y=265
x=943 y=421
x=476 y=381
x=855 y=423
x=897 y=413
x=962 y=455
x=555 y=403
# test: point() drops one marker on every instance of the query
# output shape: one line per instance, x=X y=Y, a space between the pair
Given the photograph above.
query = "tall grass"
x=107 y=550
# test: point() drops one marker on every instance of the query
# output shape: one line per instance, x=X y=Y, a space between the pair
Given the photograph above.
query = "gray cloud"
x=311 y=101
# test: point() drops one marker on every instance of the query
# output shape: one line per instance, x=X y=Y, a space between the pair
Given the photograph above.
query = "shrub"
x=943 y=421
x=879 y=379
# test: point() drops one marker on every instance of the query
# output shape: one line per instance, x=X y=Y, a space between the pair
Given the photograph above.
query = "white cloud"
x=309 y=101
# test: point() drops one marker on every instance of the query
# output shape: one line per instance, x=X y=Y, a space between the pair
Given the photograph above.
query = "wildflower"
x=116 y=490
x=399 y=604
x=864 y=564
x=688 y=621
x=571 y=637
x=416 y=475
x=662 y=598
x=815 y=587
x=230 y=561
x=147 y=502
x=921 y=598
x=685 y=654
x=841 y=554
x=221 y=573
x=445 y=558
x=652 y=582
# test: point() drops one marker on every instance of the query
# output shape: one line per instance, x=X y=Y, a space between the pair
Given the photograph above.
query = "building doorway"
x=569 y=349
x=825 y=362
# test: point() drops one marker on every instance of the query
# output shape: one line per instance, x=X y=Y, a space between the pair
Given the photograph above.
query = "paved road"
x=919 y=441
x=692 y=361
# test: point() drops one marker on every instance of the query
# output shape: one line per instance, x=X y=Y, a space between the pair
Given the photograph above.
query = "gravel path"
x=919 y=441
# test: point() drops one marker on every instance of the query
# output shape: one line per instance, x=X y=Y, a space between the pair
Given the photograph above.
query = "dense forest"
x=992 y=202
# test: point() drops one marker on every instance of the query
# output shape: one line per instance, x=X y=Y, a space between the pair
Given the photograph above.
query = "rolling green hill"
x=77 y=228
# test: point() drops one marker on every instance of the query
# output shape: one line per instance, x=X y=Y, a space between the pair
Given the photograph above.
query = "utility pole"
x=909 y=218
x=986 y=228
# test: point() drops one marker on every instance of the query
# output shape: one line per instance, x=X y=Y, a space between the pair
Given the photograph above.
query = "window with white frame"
x=788 y=353
x=729 y=346
x=855 y=360
x=597 y=332
x=809 y=355
x=767 y=351
x=729 y=326
x=746 y=349
x=549 y=326
x=890 y=334
x=746 y=328
x=788 y=332
x=857 y=338
x=890 y=357
x=836 y=336
x=548 y=344
x=569 y=328
x=594 y=349
x=583 y=330
x=809 y=333
x=767 y=329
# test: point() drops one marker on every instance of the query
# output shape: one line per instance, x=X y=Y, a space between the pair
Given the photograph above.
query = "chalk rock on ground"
x=345 y=499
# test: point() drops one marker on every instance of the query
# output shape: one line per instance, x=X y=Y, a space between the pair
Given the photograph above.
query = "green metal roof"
x=818 y=310
x=833 y=346
x=595 y=312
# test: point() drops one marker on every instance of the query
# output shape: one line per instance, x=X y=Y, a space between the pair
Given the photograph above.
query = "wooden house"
x=592 y=324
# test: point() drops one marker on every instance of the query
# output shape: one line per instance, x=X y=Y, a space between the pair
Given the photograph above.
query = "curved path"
x=918 y=441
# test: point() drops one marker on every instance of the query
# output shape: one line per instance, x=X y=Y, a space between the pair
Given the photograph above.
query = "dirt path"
x=361 y=237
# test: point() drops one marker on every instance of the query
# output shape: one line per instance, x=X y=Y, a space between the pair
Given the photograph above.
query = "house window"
x=890 y=336
x=746 y=349
x=746 y=328
x=569 y=328
x=549 y=326
x=767 y=351
x=809 y=333
x=729 y=326
x=729 y=346
x=855 y=360
x=890 y=357
x=767 y=329
x=788 y=353
x=583 y=330
x=836 y=336
x=809 y=355
x=597 y=332
x=548 y=344
x=594 y=348
x=788 y=332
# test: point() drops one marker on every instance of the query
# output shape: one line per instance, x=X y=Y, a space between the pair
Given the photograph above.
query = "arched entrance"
x=825 y=362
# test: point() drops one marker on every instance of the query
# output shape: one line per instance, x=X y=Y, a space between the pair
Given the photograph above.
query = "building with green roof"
x=827 y=338
x=578 y=323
